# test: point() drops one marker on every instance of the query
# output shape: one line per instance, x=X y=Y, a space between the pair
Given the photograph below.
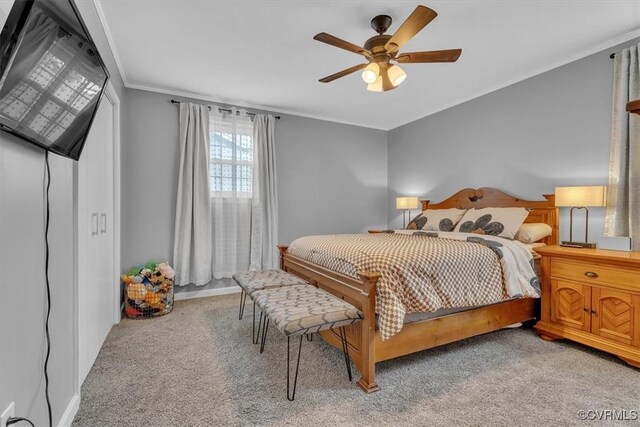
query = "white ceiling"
x=261 y=54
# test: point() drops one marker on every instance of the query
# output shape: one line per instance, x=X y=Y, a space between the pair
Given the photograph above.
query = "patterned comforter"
x=426 y=271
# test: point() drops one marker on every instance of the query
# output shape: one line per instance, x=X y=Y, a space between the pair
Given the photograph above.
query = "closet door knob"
x=94 y=224
x=591 y=275
x=103 y=219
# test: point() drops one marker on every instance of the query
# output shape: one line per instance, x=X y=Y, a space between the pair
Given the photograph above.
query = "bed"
x=366 y=344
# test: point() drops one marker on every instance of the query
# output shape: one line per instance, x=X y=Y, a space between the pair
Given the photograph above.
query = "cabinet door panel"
x=615 y=315
x=570 y=304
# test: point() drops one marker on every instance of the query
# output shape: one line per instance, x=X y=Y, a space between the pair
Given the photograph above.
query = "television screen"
x=51 y=76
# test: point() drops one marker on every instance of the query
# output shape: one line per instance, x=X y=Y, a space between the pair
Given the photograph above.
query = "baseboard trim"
x=207 y=293
x=71 y=411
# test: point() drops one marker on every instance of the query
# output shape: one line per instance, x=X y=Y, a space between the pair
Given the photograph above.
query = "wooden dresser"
x=592 y=296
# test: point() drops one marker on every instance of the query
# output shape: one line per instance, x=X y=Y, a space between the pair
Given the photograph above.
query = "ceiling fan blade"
x=449 y=55
x=418 y=19
x=342 y=73
x=342 y=44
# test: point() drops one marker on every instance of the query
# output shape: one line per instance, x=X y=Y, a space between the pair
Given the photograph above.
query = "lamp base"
x=568 y=244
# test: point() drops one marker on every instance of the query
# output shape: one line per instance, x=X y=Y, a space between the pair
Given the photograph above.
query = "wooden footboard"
x=366 y=347
x=361 y=337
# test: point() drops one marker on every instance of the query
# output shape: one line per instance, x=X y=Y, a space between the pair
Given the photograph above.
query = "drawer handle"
x=591 y=275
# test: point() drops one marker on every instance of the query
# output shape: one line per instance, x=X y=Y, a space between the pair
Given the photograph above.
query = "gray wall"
x=22 y=305
x=550 y=130
x=331 y=177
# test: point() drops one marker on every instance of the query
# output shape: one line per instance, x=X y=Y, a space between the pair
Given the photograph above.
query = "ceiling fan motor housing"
x=376 y=44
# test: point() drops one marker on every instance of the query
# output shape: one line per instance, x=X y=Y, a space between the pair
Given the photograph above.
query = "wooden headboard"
x=487 y=197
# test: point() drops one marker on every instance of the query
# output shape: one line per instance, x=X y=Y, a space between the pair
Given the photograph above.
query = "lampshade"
x=594 y=195
x=371 y=72
x=406 y=202
x=396 y=75
x=375 y=86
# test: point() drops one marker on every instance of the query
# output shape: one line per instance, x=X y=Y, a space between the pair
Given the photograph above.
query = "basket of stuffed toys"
x=148 y=290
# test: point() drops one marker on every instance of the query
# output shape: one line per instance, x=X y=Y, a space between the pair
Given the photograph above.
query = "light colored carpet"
x=197 y=367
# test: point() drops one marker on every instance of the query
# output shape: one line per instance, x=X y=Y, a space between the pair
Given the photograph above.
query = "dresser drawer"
x=593 y=273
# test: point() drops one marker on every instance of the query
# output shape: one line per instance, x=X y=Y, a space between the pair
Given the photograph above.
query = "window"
x=231 y=155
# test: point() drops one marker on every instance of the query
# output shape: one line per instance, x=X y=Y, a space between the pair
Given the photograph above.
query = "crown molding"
x=278 y=110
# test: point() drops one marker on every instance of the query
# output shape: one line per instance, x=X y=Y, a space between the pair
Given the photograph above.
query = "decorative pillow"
x=437 y=219
x=503 y=222
x=531 y=233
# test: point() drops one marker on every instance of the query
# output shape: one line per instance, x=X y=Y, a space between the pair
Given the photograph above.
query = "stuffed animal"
x=136 y=291
x=152 y=298
x=166 y=270
x=131 y=311
x=157 y=278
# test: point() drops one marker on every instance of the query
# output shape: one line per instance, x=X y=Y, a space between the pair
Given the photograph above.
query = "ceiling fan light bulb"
x=396 y=75
x=371 y=73
x=375 y=86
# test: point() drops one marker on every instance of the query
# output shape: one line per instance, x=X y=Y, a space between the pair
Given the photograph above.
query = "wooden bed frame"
x=365 y=345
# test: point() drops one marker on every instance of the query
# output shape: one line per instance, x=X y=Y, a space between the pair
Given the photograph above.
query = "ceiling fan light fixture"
x=371 y=73
x=396 y=75
x=375 y=86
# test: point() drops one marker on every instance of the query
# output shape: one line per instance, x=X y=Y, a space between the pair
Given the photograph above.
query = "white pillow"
x=533 y=246
x=530 y=233
x=437 y=219
x=503 y=222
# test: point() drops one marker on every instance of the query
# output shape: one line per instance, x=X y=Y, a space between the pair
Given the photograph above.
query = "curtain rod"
x=173 y=101
x=613 y=55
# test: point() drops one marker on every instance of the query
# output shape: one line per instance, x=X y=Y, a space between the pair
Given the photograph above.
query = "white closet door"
x=95 y=233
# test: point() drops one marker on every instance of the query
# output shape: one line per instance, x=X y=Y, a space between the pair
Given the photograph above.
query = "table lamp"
x=406 y=204
x=580 y=198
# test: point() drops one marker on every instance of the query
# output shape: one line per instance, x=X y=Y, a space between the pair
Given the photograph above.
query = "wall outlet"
x=6 y=414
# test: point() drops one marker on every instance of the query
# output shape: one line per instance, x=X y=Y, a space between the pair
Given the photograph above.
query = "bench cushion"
x=303 y=309
x=252 y=281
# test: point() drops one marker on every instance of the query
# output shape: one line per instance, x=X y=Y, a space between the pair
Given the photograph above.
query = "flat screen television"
x=51 y=76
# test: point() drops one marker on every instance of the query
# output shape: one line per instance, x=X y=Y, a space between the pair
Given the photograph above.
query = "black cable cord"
x=46 y=275
x=14 y=420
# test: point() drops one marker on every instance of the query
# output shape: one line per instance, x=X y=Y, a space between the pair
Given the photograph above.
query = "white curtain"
x=623 y=200
x=192 y=240
x=232 y=160
x=264 y=209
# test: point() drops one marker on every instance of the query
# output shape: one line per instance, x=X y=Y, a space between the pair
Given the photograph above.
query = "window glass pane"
x=231 y=155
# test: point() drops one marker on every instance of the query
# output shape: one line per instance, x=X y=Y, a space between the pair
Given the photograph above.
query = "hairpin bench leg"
x=292 y=395
x=243 y=300
x=310 y=337
x=345 y=350
x=265 y=329
x=256 y=334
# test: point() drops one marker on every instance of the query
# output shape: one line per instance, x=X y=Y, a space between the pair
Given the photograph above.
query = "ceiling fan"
x=381 y=50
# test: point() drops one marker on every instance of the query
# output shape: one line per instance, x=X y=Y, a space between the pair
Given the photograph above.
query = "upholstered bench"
x=301 y=310
x=252 y=281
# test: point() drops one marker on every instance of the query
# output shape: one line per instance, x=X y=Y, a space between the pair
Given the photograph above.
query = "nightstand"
x=592 y=296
